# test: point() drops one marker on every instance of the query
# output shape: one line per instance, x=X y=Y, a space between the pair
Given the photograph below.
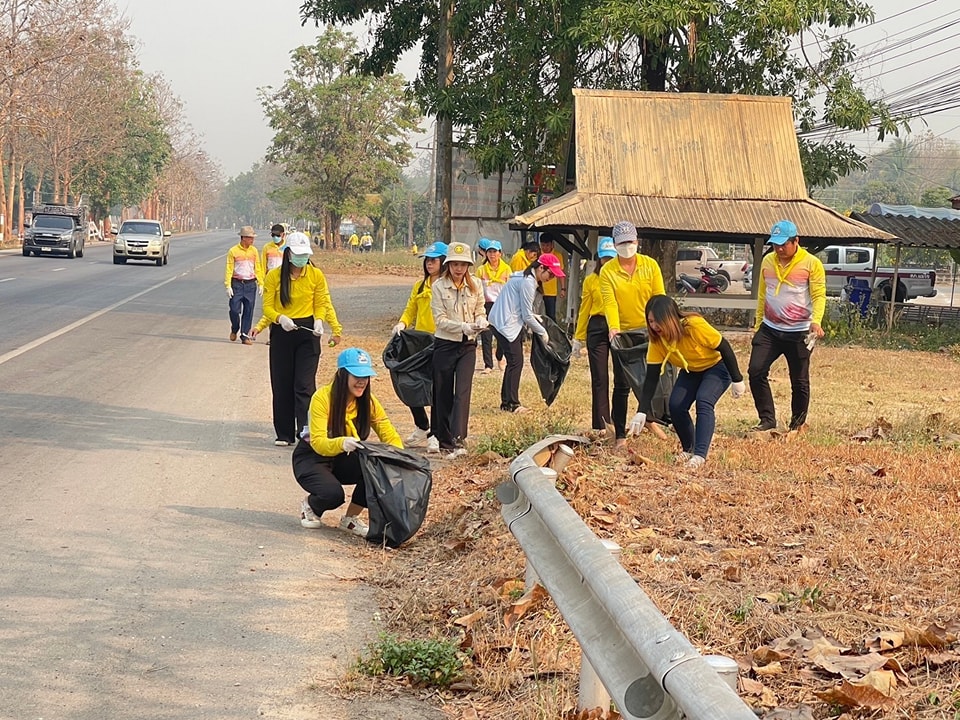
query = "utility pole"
x=444 y=143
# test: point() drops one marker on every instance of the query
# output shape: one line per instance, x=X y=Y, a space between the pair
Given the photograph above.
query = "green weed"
x=425 y=662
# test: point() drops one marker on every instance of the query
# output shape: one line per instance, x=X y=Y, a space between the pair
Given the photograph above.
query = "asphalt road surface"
x=153 y=563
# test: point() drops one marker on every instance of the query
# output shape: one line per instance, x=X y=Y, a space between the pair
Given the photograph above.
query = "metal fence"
x=648 y=668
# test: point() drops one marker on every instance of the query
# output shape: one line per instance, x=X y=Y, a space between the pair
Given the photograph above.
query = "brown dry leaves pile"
x=826 y=562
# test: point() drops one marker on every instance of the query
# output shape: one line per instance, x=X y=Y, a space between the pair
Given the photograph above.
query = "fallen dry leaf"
x=467 y=621
x=851 y=667
x=802 y=712
x=525 y=604
x=852 y=696
x=942 y=658
x=731 y=573
x=774 y=668
x=887 y=640
x=603 y=516
x=934 y=636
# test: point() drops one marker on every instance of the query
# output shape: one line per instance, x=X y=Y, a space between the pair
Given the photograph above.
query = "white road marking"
x=57 y=269
x=93 y=316
x=6 y=279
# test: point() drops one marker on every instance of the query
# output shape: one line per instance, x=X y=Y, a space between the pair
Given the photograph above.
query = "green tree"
x=516 y=63
x=338 y=134
x=936 y=197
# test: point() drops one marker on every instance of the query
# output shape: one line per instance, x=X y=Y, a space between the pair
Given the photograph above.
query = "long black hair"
x=426 y=273
x=339 y=399
x=531 y=268
x=285 y=278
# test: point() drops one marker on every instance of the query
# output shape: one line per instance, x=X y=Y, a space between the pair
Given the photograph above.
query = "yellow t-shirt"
x=519 y=262
x=625 y=296
x=695 y=352
x=244 y=264
x=319 y=412
x=417 y=314
x=272 y=256
x=591 y=303
x=309 y=295
x=551 y=286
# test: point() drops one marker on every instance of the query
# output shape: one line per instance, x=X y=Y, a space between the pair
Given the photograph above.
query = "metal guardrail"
x=650 y=670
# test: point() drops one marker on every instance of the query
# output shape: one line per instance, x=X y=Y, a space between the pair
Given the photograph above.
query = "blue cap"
x=606 y=249
x=356 y=362
x=484 y=243
x=435 y=250
x=495 y=245
x=782 y=232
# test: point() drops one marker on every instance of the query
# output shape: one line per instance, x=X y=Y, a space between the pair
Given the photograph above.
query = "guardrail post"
x=592 y=693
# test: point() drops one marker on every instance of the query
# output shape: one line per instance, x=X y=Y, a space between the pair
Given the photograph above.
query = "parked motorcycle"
x=710 y=281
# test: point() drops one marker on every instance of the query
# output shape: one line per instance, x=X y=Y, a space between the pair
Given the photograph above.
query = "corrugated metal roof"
x=924 y=232
x=655 y=216
x=689 y=163
x=687 y=145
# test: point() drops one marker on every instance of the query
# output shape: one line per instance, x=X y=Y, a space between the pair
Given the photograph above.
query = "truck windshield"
x=53 y=222
x=140 y=228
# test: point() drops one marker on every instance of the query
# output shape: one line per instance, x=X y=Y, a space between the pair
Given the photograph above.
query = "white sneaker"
x=694 y=462
x=683 y=457
x=308 y=518
x=521 y=410
x=417 y=438
x=433 y=445
x=455 y=453
x=353 y=524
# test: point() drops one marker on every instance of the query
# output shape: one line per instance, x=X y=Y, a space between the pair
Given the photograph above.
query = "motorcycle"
x=711 y=281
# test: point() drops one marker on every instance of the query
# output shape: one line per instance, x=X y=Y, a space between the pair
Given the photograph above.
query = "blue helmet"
x=435 y=250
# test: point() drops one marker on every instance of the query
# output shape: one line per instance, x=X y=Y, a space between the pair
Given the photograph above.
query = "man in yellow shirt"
x=244 y=281
x=554 y=287
x=626 y=283
x=354 y=243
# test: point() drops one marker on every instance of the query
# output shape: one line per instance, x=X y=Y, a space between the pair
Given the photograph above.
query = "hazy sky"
x=216 y=53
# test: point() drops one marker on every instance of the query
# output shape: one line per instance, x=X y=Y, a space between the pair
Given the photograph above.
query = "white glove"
x=468 y=329
x=230 y=293
x=399 y=327
x=538 y=318
x=318 y=328
x=286 y=323
x=636 y=424
x=481 y=323
x=576 y=347
x=738 y=389
x=545 y=339
x=350 y=444
x=260 y=290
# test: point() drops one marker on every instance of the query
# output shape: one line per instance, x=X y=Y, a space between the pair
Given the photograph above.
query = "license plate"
x=44 y=249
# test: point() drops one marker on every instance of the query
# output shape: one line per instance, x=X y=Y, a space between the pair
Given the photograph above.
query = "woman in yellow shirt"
x=592 y=331
x=296 y=301
x=707 y=366
x=419 y=316
x=342 y=414
x=494 y=274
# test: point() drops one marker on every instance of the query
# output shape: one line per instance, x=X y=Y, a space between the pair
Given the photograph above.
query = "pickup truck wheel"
x=80 y=251
x=901 y=292
x=72 y=253
x=26 y=253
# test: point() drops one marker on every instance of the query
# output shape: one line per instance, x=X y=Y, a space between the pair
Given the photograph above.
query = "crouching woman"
x=342 y=414
x=706 y=366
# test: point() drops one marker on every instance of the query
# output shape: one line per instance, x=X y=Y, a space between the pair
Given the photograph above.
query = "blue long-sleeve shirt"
x=514 y=308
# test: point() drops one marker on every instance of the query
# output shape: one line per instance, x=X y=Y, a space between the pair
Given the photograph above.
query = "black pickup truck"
x=56 y=230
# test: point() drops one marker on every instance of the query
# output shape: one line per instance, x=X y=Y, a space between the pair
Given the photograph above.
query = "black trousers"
x=598 y=352
x=768 y=345
x=420 y=418
x=324 y=477
x=453 y=367
x=486 y=342
x=294 y=357
x=621 y=393
x=510 y=386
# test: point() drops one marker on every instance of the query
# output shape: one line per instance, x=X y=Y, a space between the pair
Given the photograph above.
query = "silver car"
x=141 y=240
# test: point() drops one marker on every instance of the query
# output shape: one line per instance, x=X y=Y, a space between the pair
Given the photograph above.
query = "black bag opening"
x=409 y=358
x=398 y=484
x=630 y=349
x=550 y=365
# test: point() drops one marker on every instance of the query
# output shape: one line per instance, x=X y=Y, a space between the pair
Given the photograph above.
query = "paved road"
x=153 y=566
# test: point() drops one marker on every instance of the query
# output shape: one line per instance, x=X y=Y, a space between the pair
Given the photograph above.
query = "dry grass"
x=777 y=534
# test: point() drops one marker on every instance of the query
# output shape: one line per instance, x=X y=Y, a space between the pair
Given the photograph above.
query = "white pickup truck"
x=843 y=263
x=690 y=260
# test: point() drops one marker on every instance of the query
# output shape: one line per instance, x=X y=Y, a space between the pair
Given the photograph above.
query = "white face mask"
x=626 y=250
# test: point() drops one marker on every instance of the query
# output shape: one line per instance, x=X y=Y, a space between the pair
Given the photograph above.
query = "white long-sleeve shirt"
x=514 y=308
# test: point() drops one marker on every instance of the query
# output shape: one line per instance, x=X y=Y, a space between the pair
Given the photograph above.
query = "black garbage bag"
x=409 y=358
x=398 y=484
x=550 y=364
x=630 y=348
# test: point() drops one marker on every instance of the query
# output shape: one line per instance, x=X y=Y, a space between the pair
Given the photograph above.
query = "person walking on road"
x=791 y=299
x=272 y=253
x=295 y=304
x=419 y=316
x=592 y=331
x=457 y=305
x=342 y=414
x=707 y=366
x=511 y=313
x=626 y=284
x=244 y=280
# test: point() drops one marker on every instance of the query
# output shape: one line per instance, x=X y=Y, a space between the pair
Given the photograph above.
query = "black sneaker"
x=763 y=426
